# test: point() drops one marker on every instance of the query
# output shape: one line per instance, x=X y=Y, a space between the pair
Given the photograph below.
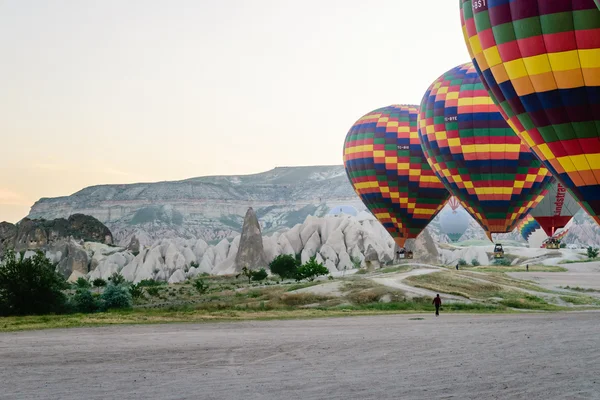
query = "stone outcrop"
x=250 y=253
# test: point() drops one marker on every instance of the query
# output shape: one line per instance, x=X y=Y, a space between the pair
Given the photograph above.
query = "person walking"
x=457 y=266
x=437 y=302
x=527 y=266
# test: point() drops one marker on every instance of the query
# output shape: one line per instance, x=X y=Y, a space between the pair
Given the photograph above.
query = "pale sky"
x=123 y=91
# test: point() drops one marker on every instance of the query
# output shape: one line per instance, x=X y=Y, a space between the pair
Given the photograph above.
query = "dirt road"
x=549 y=356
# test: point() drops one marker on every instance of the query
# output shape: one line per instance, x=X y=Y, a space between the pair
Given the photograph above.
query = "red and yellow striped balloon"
x=386 y=166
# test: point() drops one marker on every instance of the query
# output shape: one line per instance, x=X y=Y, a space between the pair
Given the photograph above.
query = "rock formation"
x=250 y=252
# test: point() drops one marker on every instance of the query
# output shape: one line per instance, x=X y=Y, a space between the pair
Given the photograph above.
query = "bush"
x=462 y=262
x=200 y=285
x=501 y=262
x=592 y=252
x=259 y=275
x=311 y=270
x=30 y=286
x=152 y=290
x=150 y=283
x=136 y=291
x=83 y=301
x=82 y=283
x=475 y=263
x=116 y=296
x=284 y=265
x=117 y=279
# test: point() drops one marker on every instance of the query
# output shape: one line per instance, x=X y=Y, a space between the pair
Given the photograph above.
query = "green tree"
x=82 y=283
x=592 y=252
x=285 y=266
x=259 y=275
x=311 y=270
x=475 y=262
x=30 y=286
x=117 y=279
x=98 y=283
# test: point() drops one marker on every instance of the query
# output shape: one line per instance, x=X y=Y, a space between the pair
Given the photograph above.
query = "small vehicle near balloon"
x=551 y=243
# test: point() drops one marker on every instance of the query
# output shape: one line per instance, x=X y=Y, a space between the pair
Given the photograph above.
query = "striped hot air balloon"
x=476 y=154
x=386 y=166
x=540 y=61
x=527 y=226
x=556 y=209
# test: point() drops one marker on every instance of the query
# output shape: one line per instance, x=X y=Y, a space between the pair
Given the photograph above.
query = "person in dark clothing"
x=527 y=267
x=456 y=268
x=437 y=302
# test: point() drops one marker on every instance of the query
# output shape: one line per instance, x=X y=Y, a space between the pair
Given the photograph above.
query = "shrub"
x=117 y=279
x=136 y=291
x=200 y=285
x=462 y=262
x=150 y=283
x=116 y=296
x=30 y=286
x=502 y=262
x=356 y=262
x=311 y=270
x=300 y=299
x=592 y=252
x=152 y=291
x=284 y=265
x=82 y=283
x=83 y=301
x=259 y=275
x=475 y=262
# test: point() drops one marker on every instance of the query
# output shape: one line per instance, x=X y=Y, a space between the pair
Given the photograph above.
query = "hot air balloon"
x=454 y=223
x=527 y=226
x=556 y=209
x=476 y=154
x=454 y=203
x=386 y=166
x=540 y=62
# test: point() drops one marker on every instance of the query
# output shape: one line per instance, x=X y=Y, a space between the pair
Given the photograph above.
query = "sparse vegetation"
x=201 y=286
x=475 y=262
x=116 y=279
x=462 y=262
x=580 y=289
x=502 y=262
x=99 y=283
x=259 y=275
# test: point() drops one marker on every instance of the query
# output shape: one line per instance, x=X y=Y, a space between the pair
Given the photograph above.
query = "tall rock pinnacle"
x=250 y=253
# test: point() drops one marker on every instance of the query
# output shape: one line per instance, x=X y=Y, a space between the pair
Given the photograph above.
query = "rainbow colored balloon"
x=386 y=166
x=527 y=226
x=476 y=154
x=540 y=61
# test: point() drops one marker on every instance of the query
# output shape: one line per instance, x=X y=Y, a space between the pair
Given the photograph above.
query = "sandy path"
x=550 y=356
x=395 y=281
x=585 y=275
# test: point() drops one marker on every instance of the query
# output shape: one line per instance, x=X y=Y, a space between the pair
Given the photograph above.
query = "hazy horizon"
x=147 y=91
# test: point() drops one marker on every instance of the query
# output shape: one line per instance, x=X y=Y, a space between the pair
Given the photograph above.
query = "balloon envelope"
x=454 y=223
x=556 y=209
x=527 y=226
x=386 y=166
x=540 y=61
x=476 y=154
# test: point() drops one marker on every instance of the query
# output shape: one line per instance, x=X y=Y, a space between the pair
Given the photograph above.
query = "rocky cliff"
x=208 y=208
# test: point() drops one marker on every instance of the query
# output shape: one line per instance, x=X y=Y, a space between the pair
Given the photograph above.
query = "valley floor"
x=532 y=356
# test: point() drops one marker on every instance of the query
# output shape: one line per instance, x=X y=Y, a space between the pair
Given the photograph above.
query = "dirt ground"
x=584 y=275
x=533 y=356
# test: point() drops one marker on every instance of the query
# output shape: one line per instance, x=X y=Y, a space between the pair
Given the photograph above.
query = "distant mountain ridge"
x=210 y=208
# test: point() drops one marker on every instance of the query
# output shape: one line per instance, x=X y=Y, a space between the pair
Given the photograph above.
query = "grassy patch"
x=586 y=260
x=395 y=269
x=580 y=289
x=449 y=283
x=580 y=300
